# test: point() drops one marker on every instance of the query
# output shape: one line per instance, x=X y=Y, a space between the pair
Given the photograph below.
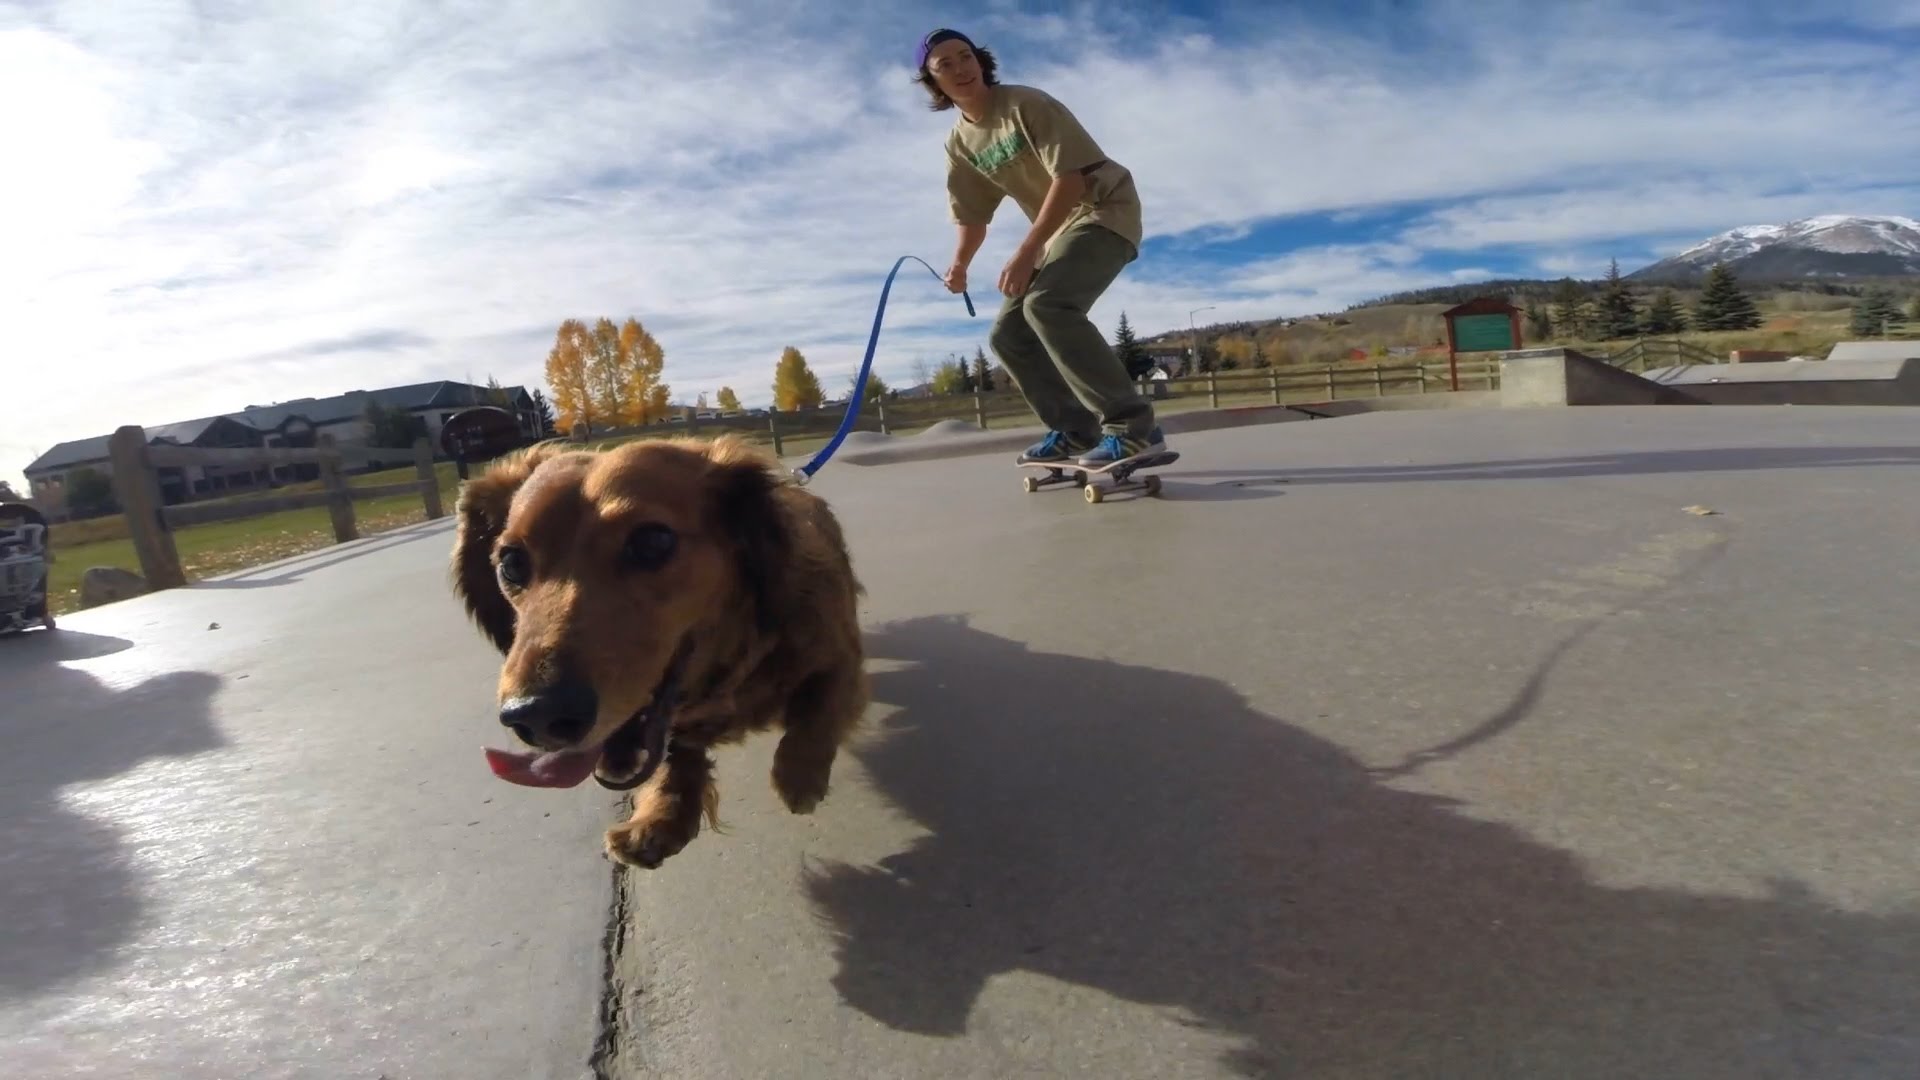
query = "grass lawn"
x=228 y=546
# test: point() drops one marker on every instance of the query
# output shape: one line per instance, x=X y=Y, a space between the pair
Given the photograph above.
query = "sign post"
x=1483 y=324
x=479 y=433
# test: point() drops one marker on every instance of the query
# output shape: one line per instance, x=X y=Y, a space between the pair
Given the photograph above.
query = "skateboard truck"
x=1120 y=473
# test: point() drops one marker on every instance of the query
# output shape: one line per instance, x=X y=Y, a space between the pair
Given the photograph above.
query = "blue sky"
x=239 y=204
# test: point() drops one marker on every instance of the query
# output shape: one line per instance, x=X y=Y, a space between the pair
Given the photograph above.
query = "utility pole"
x=1193 y=338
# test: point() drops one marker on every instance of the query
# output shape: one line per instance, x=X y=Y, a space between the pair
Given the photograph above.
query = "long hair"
x=989 y=72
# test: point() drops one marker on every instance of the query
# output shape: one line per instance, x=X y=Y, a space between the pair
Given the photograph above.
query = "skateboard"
x=1120 y=472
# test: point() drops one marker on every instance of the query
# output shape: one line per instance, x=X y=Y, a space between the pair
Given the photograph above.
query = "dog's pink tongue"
x=560 y=768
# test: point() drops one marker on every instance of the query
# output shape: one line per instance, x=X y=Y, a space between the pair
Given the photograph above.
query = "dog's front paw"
x=800 y=783
x=646 y=843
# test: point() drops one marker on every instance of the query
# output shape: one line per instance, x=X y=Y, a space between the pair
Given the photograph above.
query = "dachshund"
x=652 y=601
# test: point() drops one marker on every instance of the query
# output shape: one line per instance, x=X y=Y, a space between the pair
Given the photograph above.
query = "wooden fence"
x=150 y=523
x=984 y=409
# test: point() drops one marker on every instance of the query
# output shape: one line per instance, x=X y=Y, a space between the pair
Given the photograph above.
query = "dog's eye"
x=513 y=566
x=649 y=546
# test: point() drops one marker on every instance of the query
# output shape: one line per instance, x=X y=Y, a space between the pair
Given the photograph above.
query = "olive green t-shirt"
x=1026 y=139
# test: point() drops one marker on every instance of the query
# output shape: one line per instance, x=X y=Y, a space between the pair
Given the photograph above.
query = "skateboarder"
x=1085 y=214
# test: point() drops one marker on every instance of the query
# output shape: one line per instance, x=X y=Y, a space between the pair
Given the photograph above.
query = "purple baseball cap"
x=927 y=43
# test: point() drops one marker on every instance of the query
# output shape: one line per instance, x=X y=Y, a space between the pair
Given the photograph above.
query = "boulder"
x=106 y=584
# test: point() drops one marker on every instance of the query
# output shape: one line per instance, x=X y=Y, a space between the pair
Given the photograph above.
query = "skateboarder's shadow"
x=1145 y=834
x=70 y=891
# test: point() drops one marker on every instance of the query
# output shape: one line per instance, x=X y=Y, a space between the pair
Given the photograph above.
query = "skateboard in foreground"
x=1120 y=473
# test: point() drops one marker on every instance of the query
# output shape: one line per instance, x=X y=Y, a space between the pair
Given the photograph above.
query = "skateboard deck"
x=1120 y=473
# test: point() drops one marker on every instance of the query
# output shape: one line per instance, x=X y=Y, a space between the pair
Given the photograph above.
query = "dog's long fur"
x=759 y=591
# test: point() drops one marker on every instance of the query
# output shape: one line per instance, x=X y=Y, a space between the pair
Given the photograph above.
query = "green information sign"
x=1482 y=333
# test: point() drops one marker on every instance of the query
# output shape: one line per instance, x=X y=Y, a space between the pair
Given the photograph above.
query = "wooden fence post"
x=136 y=485
x=429 y=483
x=1331 y=392
x=340 y=500
x=1421 y=371
x=1379 y=382
x=1213 y=390
x=880 y=411
x=1273 y=380
x=773 y=428
x=980 y=409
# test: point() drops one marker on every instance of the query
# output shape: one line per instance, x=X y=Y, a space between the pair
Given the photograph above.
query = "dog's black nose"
x=552 y=718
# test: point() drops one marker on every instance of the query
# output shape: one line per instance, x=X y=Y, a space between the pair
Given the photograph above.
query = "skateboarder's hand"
x=1016 y=276
x=956 y=278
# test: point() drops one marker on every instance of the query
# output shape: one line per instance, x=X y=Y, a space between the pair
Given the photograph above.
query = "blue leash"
x=805 y=472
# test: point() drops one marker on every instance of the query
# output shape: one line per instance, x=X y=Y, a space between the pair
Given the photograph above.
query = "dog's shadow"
x=1145 y=833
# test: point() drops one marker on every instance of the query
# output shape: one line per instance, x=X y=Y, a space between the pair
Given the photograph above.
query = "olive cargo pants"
x=1062 y=365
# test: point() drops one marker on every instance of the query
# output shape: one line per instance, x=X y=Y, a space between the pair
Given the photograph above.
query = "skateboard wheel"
x=1079 y=479
x=1153 y=485
x=1032 y=484
x=1093 y=492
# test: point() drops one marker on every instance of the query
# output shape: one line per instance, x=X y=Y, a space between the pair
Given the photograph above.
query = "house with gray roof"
x=350 y=418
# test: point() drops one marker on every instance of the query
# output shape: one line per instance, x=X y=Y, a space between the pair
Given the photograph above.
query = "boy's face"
x=955 y=70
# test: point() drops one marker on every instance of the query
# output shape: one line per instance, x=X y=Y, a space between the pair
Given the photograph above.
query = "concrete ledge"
x=1544 y=377
x=1798 y=382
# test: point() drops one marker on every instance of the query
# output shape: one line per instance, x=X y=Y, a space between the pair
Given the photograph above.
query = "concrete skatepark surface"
x=1440 y=744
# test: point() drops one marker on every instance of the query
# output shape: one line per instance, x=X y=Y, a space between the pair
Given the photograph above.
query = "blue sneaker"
x=1116 y=448
x=1058 y=446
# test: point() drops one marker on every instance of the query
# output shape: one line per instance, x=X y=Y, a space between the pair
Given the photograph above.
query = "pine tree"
x=1568 y=300
x=1539 y=322
x=1876 y=313
x=1618 y=316
x=982 y=371
x=544 y=409
x=1664 y=315
x=1723 y=304
x=1133 y=356
x=497 y=395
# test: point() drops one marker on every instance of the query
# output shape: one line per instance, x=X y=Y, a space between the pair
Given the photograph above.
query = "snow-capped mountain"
x=1829 y=246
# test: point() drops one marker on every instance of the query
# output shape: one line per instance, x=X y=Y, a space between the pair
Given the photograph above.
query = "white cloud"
x=210 y=197
x=1683 y=208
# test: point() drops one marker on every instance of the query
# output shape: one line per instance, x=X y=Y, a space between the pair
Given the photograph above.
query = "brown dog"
x=655 y=600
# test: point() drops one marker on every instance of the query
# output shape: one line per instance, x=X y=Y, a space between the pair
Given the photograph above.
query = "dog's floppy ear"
x=746 y=491
x=481 y=514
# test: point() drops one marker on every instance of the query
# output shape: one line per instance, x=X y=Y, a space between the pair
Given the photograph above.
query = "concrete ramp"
x=1798 y=382
x=1534 y=377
